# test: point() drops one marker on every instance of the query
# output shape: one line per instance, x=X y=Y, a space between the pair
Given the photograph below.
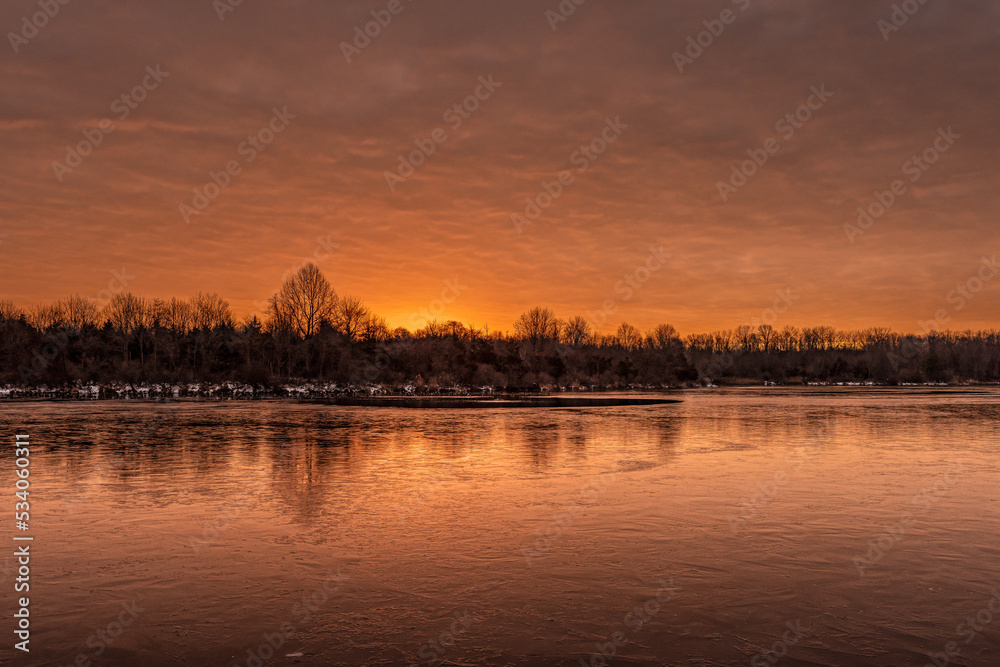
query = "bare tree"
x=375 y=328
x=432 y=329
x=78 y=312
x=789 y=339
x=722 y=341
x=817 y=338
x=577 y=332
x=156 y=314
x=178 y=316
x=350 y=315
x=628 y=336
x=456 y=329
x=126 y=313
x=767 y=337
x=877 y=336
x=827 y=337
x=304 y=302
x=210 y=311
x=537 y=324
x=45 y=316
x=746 y=337
x=663 y=337
x=8 y=311
x=702 y=342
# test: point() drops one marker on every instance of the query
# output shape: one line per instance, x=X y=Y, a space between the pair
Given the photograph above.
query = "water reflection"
x=548 y=526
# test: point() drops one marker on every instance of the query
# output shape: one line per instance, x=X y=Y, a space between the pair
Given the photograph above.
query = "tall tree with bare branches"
x=304 y=302
x=126 y=312
x=629 y=337
x=78 y=312
x=350 y=315
x=663 y=337
x=537 y=324
x=577 y=332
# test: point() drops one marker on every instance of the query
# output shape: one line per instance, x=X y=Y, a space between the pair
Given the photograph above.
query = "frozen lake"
x=814 y=526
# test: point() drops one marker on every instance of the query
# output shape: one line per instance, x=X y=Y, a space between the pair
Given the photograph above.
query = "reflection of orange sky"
x=655 y=185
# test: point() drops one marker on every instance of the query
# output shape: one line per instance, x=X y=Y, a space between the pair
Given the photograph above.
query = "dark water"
x=751 y=527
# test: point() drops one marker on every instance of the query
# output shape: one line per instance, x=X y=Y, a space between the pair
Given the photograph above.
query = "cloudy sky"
x=74 y=223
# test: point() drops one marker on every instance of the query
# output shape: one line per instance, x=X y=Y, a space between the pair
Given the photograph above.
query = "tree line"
x=310 y=333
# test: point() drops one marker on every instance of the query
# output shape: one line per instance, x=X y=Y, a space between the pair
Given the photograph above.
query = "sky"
x=101 y=192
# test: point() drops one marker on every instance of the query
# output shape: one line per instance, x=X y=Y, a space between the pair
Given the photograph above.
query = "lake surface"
x=816 y=526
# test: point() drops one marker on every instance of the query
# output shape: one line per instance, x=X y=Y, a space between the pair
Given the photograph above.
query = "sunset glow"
x=518 y=97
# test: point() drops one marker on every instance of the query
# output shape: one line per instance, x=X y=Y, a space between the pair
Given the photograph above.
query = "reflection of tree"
x=317 y=468
x=666 y=428
x=297 y=478
x=653 y=431
x=308 y=461
x=542 y=439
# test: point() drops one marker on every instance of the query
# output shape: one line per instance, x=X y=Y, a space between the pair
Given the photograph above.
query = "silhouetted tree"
x=194 y=340
x=577 y=332
x=628 y=337
x=125 y=313
x=304 y=302
x=538 y=324
x=663 y=337
x=350 y=316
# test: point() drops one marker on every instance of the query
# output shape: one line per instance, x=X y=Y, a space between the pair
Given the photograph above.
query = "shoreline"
x=348 y=396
